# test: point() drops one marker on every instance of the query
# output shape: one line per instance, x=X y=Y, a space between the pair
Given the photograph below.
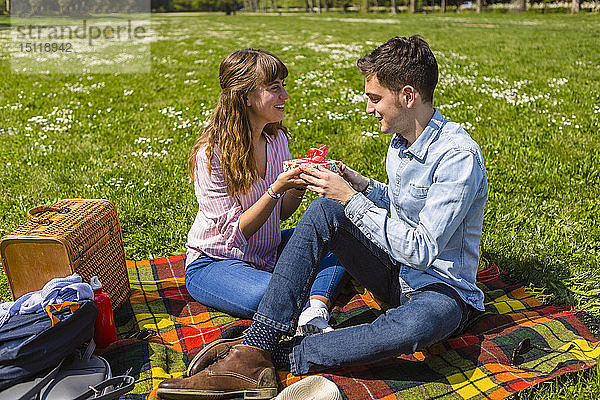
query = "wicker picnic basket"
x=73 y=235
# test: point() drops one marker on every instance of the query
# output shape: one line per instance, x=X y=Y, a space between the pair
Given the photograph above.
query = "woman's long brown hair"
x=229 y=127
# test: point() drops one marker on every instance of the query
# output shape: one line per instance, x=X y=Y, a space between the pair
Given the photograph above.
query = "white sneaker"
x=313 y=320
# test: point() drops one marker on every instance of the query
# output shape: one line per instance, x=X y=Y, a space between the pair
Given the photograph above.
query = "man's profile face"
x=385 y=106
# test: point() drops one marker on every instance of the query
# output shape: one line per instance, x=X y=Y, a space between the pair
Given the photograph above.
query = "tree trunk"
x=443 y=6
x=413 y=6
x=575 y=6
x=364 y=8
x=478 y=6
x=8 y=7
x=326 y=2
x=519 y=5
x=311 y=5
x=394 y=7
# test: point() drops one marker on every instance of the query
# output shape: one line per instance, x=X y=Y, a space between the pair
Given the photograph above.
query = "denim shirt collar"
x=419 y=148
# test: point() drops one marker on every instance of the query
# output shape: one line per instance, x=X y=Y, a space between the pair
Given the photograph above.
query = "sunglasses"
x=525 y=347
x=143 y=334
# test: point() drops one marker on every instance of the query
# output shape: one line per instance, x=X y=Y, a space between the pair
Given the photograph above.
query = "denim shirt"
x=429 y=217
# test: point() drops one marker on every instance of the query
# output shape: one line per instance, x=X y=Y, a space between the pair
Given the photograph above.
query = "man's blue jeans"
x=416 y=320
x=235 y=287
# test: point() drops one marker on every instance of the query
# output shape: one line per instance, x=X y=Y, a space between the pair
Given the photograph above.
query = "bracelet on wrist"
x=349 y=198
x=274 y=194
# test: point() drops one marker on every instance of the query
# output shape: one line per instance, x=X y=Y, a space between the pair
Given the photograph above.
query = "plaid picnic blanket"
x=474 y=365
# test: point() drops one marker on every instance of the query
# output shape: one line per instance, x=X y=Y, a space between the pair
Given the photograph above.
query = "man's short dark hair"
x=403 y=61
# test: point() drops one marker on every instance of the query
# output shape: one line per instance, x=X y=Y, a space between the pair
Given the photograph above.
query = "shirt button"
x=397 y=181
x=350 y=215
x=369 y=235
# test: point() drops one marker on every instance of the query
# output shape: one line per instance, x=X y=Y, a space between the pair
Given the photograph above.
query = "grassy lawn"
x=526 y=87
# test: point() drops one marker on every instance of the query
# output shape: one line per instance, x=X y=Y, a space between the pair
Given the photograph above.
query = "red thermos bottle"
x=104 y=329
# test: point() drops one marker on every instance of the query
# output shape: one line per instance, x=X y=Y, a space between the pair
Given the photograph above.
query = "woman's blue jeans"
x=235 y=287
x=416 y=320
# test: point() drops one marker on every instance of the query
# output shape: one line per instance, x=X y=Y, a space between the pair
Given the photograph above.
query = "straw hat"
x=311 y=388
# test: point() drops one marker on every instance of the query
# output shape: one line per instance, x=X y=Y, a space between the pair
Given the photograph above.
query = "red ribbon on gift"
x=315 y=155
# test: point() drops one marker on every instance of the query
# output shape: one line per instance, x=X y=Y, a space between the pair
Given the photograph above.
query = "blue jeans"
x=416 y=320
x=235 y=287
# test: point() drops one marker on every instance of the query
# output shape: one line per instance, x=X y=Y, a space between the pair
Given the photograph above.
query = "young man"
x=414 y=243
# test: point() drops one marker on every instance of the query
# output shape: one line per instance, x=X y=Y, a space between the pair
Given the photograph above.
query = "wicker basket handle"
x=39 y=209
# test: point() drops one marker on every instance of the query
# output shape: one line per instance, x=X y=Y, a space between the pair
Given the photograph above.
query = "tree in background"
x=29 y=7
x=519 y=5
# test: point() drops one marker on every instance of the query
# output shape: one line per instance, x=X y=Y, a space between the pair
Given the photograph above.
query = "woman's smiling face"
x=266 y=104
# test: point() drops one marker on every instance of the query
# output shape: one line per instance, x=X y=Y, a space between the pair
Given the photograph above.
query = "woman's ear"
x=247 y=100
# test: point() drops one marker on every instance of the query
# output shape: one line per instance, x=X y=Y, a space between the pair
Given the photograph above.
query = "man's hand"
x=326 y=183
x=356 y=180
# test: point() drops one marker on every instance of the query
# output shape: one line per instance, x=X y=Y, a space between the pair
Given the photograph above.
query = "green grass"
x=527 y=87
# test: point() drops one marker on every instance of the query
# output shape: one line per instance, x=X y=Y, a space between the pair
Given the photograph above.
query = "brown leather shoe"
x=210 y=353
x=246 y=371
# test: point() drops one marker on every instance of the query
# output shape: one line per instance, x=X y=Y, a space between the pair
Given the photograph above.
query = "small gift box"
x=315 y=156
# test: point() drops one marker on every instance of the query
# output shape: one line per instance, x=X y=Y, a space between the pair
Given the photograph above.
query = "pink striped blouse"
x=216 y=231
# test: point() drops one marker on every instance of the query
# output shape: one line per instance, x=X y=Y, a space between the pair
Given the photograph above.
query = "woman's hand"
x=356 y=180
x=289 y=179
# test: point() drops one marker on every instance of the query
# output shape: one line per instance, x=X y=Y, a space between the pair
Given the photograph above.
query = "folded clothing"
x=58 y=290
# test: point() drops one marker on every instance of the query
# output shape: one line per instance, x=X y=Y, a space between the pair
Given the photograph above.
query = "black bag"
x=30 y=343
x=79 y=377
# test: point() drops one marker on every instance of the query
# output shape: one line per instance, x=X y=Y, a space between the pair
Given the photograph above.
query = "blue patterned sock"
x=262 y=336
x=281 y=355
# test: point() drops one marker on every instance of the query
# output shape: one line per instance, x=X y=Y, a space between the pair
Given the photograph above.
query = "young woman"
x=237 y=169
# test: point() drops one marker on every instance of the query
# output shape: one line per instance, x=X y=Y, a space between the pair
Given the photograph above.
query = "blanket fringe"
x=591 y=321
x=540 y=294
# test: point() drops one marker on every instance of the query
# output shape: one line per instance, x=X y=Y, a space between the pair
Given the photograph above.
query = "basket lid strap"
x=39 y=209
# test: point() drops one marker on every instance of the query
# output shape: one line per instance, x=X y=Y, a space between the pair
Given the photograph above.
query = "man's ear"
x=408 y=95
